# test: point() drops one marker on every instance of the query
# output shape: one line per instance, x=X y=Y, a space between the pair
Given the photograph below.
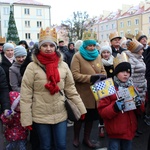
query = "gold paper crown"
x=2 y=40
x=48 y=34
x=88 y=35
x=114 y=35
x=140 y=33
x=120 y=58
x=134 y=45
x=129 y=36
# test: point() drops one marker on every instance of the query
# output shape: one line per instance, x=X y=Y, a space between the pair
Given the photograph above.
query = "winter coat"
x=82 y=71
x=138 y=73
x=68 y=56
x=114 y=52
x=12 y=128
x=118 y=125
x=4 y=91
x=6 y=64
x=15 y=76
x=145 y=53
x=37 y=104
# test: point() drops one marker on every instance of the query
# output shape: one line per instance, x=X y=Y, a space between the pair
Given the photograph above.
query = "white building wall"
x=21 y=17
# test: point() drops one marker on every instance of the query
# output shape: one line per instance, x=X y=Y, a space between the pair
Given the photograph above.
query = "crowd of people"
x=36 y=81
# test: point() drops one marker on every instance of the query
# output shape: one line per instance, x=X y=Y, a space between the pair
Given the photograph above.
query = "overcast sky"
x=63 y=9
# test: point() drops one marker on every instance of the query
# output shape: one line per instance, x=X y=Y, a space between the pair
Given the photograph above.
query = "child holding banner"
x=119 y=118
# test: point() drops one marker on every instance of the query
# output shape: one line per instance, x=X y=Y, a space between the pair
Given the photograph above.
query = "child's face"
x=140 y=52
x=123 y=76
x=106 y=54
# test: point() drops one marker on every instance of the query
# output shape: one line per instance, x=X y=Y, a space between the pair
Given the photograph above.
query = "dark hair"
x=70 y=44
x=25 y=43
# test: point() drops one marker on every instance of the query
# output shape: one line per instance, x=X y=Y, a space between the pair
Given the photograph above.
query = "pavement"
x=139 y=143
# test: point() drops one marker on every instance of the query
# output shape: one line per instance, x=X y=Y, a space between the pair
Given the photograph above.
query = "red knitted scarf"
x=51 y=63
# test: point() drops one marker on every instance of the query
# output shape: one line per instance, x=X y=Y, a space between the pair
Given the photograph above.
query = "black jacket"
x=68 y=56
x=4 y=91
x=114 y=52
x=110 y=71
x=6 y=64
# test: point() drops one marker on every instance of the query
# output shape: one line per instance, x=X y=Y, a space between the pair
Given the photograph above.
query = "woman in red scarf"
x=45 y=83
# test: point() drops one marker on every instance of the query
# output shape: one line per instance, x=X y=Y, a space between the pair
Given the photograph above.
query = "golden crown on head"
x=2 y=39
x=129 y=36
x=48 y=34
x=120 y=58
x=140 y=33
x=133 y=45
x=88 y=35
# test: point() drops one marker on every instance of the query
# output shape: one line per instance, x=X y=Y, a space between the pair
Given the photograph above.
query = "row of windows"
x=26 y=24
x=28 y=36
x=122 y=34
x=112 y=26
x=6 y=11
x=129 y=23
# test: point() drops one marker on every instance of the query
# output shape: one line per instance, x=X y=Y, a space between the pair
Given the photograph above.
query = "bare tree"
x=77 y=25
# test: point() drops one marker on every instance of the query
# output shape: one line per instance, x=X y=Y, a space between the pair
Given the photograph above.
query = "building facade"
x=30 y=17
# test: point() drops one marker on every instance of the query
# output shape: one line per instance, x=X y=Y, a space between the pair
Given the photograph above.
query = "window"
x=106 y=26
x=128 y=31
x=101 y=28
x=149 y=19
x=136 y=31
x=27 y=36
x=121 y=34
x=101 y=36
x=39 y=23
x=149 y=31
x=39 y=12
x=6 y=11
x=121 y=24
x=136 y=21
x=107 y=35
x=38 y=35
x=27 y=11
x=129 y=23
x=27 y=23
x=112 y=26
x=5 y=23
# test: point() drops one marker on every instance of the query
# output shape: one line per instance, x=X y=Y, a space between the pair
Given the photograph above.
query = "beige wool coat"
x=37 y=104
x=82 y=71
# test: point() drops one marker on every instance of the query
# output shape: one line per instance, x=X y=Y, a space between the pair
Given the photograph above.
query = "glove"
x=96 y=77
x=29 y=127
x=138 y=101
x=82 y=117
x=119 y=105
x=102 y=77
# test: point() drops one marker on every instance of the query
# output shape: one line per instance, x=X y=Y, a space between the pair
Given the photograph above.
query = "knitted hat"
x=123 y=66
x=134 y=46
x=78 y=44
x=106 y=47
x=14 y=99
x=7 y=46
x=20 y=51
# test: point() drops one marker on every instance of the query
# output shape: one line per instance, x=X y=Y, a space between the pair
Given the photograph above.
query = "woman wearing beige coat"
x=87 y=67
x=45 y=83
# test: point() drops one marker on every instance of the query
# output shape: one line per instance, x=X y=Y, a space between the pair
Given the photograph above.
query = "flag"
x=103 y=89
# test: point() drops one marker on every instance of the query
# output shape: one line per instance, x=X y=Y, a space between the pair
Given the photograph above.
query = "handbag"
x=73 y=112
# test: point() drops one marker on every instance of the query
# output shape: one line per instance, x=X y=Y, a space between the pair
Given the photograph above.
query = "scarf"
x=118 y=83
x=51 y=64
x=108 y=62
x=88 y=55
